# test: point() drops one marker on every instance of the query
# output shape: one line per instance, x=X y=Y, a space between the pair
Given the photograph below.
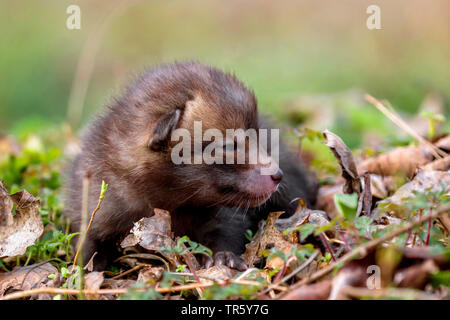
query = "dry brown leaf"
x=401 y=160
x=115 y=284
x=439 y=164
x=415 y=276
x=381 y=186
x=152 y=233
x=93 y=281
x=20 y=231
x=347 y=162
x=150 y=274
x=424 y=253
x=309 y=270
x=353 y=274
x=302 y=215
x=25 y=278
x=267 y=236
x=270 y=235
x=216 y=272
x=89 y=267
x=443 y=143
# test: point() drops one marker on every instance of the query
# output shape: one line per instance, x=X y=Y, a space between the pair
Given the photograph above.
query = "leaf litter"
x=389 y=210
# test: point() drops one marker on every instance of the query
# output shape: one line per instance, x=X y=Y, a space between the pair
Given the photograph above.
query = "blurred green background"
x=284 y=50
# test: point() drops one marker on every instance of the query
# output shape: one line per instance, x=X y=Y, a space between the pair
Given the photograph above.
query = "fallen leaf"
x=19 y=231
x=152 y=233
x=439 y=164
x=93 y=281
x=443 y=143
x=150 y=274
x=424 y=253
x=90 y=265
x=381 y=186
x=267 y=236
x=415 y=276
x=217 y=273
x=302 y=215
x=115 y=284
x=309 y=270
x=25 y=278
x=404 y=160
x=353 y=274
x=346 y=161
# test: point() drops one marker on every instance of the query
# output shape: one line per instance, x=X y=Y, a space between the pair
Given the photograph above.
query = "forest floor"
x=380 y=229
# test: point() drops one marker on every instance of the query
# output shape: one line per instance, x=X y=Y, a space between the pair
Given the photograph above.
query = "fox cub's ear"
x=163 y=128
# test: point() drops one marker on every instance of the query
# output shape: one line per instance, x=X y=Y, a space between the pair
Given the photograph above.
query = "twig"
x=147 y=256
x=28 y=293
x=430 y=222
x=344 y=239
x=327 y=245
x=362 y=250
x=32 y=292
x=190 y=274
x=415 y=233
x=301 y=267
x=280 y=273
x=83 y=237
x=120 y=275
x=187 y=257
x=437 y=153
x=407 y=239
x=297 y=270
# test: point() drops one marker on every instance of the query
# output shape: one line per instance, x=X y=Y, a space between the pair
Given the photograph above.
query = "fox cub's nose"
x=277 y=176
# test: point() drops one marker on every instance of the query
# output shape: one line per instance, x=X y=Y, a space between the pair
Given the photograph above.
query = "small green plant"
x=433 y=118
x=51 y=246
x=181 y=268
x=73 y=279
x=185 y=245
x=305 y=230
x=249 y=234
x=346 y=205
x=3 y=266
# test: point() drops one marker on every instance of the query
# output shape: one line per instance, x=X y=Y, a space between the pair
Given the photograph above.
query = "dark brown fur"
x=129 y=148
